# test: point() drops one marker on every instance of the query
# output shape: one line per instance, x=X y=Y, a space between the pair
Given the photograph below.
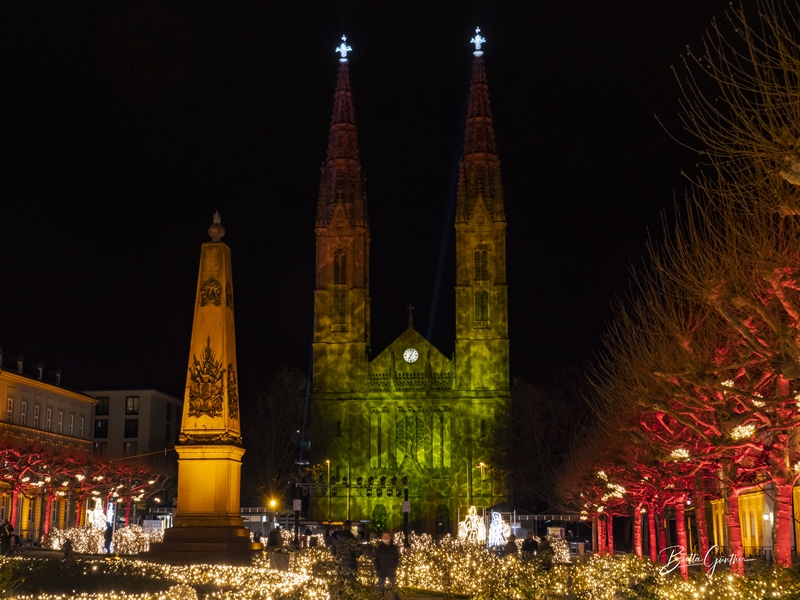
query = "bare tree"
x=272 y=435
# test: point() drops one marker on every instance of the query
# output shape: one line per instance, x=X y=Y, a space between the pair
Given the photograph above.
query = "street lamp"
x=328 y=462
x=482 y=466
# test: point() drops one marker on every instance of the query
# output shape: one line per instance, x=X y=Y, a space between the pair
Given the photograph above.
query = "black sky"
x=125 y=125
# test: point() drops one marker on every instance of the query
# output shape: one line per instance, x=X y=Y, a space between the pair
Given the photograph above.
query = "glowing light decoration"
x=472 y=529
x=741 y=432
x=97 y=516
x=85 y=540
x=499 y=530
x=728 y=383
x=680 y=454
x=478 y=40
x=343 y=49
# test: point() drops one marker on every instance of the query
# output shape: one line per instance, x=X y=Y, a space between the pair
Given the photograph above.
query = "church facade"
x=408 y=417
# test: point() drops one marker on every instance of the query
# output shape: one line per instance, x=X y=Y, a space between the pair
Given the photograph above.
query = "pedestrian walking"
x=387 y=558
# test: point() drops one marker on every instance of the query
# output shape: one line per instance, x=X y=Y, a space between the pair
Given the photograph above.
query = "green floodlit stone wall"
x=430 y=420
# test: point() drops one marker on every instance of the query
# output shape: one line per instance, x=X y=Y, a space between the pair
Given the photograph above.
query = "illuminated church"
x=411 y=416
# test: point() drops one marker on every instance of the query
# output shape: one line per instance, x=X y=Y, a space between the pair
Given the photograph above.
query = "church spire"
x=341 y=293
x=481 y=290
x=479 y=170
x=342 y=183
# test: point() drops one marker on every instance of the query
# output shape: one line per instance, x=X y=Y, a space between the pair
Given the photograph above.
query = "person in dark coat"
x=108 y=536
x=529 y=546
x=346 y=549
x=511 y=546
x=5 y=537
x=68 y=550
x=387 y=557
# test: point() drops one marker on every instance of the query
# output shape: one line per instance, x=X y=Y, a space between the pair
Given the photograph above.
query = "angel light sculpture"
x=472 y=528
x=499 y=530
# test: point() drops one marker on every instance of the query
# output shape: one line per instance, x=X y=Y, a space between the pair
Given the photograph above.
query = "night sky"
x=125 y=125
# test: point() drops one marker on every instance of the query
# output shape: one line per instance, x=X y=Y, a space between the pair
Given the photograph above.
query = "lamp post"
x=482 y=467
x=328 y=462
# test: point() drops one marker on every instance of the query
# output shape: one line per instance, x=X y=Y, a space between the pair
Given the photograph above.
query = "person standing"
x=387 y=558
x=5 y=537
x=346 y=549
x=108 y=537
x=511 y=546
x=529 y=546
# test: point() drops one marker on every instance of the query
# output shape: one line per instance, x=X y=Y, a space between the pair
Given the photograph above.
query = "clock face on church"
x=410 y=355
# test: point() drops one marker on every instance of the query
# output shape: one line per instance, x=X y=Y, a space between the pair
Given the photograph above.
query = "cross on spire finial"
x=343 y=49
x=410 y=309
x=478 y=40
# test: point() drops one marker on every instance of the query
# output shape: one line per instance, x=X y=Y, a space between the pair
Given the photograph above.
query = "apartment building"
x=134 y=422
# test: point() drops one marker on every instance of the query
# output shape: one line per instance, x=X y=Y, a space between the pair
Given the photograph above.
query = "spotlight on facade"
x=344 y=480
x=398 y=491
x=359 y=479
x=383 y=480
x=333 y=479
x=371 y=480
x=405 y=480
x=389 y=493
x=333 y=492
x=369 y=491
x=394 y=480
x=379 y=493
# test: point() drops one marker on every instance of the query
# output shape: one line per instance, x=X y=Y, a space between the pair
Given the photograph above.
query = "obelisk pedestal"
x=207 y=526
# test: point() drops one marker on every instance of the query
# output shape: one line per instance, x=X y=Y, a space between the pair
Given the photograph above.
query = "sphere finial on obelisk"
x=216 y=232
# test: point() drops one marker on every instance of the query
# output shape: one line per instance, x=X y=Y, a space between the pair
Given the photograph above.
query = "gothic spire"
x=342 y=183
x=479 y=169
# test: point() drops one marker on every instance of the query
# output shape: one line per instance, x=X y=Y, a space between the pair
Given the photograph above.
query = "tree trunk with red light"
x=637 y=530
x=783 y=523
x=77 y=513
x=48 y=515
x=610 y=526
x=14 y=510
x=734 y=533
x=601 y=536
x=595 y=535
x=702 y=525
x=680 y=528
x=662 y=540
x=127 y=513
x=651 y=530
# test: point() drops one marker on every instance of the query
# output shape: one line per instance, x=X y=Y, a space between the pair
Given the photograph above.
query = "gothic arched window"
x=481 y=259
x=481 y=309
x=339 y=308
x=339 y=267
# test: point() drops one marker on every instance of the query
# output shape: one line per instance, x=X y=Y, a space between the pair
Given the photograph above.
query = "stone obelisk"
x=207 y=527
